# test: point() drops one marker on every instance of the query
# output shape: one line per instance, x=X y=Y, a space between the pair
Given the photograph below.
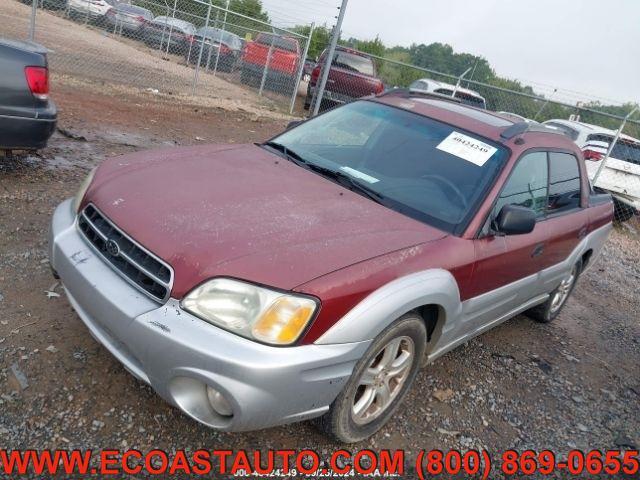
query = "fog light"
x=219 y=403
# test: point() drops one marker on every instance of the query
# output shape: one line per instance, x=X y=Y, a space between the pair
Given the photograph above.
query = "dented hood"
x=244 y=212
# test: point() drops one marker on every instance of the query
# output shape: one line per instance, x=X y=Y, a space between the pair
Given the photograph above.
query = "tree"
x=319 y=40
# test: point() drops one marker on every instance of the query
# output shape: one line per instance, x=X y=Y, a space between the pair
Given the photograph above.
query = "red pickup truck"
x=352 y=75
x=309 y=276
x=283 y=66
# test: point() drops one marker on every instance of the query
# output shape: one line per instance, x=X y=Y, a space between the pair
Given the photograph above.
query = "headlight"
x=254 y=312
x=83 y=189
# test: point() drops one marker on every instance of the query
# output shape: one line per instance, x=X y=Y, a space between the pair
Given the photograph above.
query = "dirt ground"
x=574 y=383
x=86 y=54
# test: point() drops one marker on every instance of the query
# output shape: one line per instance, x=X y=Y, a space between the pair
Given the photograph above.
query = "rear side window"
x=564 y=182
x=353 y=62
x=527 y=185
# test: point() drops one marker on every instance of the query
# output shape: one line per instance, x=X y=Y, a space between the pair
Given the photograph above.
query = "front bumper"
x=179 y=355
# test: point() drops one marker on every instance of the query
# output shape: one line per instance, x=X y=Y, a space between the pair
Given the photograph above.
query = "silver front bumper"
x=179 y=354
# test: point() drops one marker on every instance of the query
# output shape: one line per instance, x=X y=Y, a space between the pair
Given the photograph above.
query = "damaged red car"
x=312 y=275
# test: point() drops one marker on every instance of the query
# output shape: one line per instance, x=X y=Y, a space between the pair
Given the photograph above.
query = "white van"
x=466 y=96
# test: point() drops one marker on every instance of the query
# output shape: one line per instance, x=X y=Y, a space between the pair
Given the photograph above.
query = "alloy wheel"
x=382 y=380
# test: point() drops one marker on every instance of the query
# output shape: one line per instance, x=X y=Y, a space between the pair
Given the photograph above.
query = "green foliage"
x=319 y=40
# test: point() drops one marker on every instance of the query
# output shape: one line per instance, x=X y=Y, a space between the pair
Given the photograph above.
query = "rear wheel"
x=379 y=383
x=550 y=309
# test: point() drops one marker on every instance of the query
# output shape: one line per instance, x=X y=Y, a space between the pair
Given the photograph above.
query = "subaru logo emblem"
x=113 y=248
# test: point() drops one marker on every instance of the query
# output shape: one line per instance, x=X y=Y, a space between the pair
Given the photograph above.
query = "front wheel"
x=379 y=382
x=550 y=309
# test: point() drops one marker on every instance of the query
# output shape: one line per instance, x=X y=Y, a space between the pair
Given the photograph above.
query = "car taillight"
x=224 y=49
x=141 y=19
x=189 y=38
x=38 y=81
x=379 y=88
x=111 y=12
x=592 y=155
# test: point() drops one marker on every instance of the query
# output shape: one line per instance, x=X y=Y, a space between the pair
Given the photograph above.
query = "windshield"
x=418 y=166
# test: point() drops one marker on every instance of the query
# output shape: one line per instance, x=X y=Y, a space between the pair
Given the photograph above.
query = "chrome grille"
x=129 y=259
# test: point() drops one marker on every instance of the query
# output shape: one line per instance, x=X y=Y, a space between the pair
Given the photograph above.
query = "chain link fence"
x=192 y=48
x=612 y=158
x=183 y=47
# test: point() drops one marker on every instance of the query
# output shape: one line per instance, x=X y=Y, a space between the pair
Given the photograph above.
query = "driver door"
x=506 y=269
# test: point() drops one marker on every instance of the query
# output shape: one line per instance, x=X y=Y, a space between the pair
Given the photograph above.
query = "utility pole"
x=329 y=59
x=32 y=22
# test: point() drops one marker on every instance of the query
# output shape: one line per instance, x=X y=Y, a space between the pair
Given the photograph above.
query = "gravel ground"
x=572 y=384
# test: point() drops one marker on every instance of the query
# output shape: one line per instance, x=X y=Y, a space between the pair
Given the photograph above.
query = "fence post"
x=544 y=105
x=455 y=89
x=215 y=65
x=329 y=60
x=296 y=85
x=266 y=67
x=32 y=22
x=173 y=17
x=197 y=69
x=610 y=149
x=224 y=26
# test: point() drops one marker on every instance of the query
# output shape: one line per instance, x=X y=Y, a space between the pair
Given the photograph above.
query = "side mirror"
x=293 y=124
x=515 y=220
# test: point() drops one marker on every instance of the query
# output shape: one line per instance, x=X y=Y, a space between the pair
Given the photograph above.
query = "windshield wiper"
x=340 y=177
x=288 y=153
x=349 y=182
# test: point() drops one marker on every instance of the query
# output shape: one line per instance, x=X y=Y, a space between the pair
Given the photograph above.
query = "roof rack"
x=526 y=127
x=409 y=93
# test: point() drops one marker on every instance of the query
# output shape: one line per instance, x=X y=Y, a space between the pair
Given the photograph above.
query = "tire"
x=342 y=421
x=547 y=311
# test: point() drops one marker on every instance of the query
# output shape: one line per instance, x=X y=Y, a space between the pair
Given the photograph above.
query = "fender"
x=384 y=305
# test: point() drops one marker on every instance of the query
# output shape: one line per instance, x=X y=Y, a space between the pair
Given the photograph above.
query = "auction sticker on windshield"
x=358 y=174
x=468 y=148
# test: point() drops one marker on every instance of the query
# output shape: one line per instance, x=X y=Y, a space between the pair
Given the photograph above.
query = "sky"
x=587 y=49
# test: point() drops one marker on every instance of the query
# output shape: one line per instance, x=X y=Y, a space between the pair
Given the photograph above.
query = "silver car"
x=128 y=19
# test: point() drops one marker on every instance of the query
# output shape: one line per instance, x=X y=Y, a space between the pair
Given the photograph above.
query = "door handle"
x=538 y=250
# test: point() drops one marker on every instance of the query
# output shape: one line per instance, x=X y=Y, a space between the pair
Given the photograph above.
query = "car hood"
x=244 y=212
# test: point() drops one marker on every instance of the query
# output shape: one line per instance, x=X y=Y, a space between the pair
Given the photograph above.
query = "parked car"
x=352 y=75
x=283 y=66
x=621 y=174
x=95 y=10
x=309 y=276
x=211 y=39
x=467 y=96
x=515 y=117
x=27 y=114
x=128 y=19
x=169 y=33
